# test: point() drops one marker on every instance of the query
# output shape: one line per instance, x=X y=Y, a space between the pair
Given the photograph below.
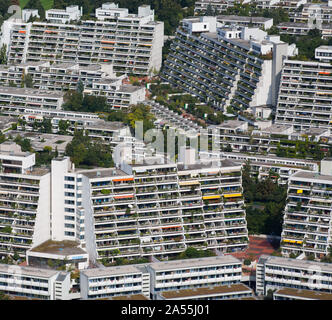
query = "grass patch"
x=47 y=4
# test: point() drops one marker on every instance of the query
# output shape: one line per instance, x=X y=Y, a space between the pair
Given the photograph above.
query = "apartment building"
x=25 y=201
x=292 y=275
x=97 y=79
x=217 y=6
x=57 y=77
x=256 y=22
x=117 y=95
x=240 y=138
x=305 y=95
x=261 y=167
x=212 y=278
x=318 y=13
x=110 y=282
x=110 y=132
x=307 y=215
x=237 y=67
x=213 y=272
x=132 y=43
x=30 y=98
x=33 y=283
x=302 y=29
x=67 y=15
x=161 y=209
x=323 y=53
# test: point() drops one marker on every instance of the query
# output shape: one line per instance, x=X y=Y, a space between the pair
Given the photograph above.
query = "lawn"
x=47 y=4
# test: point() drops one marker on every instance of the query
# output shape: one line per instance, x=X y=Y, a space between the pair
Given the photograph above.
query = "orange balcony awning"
x=123 y=179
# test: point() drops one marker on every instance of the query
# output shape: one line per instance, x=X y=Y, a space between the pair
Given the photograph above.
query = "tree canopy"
x=85 y=152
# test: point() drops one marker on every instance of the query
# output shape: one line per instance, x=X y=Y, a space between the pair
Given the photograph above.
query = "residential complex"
x=131 y=43
x=97 y=79
x=220 y=6
x=30 y=98
x=34 y=283
x=139 y=211
x=25 y=201
x=110 y=282
x=317 y=13
x=204 y=278
x=302 y=29
x=172 y=276
x=305 y=95
x=237 y=67
x=162 y=209
x=73 y=232
x=278 y=168
x=307 y=216
x=265 y=140
x=292 y=275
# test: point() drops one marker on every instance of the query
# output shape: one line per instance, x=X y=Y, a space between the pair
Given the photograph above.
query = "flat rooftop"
x=276 y=129
x=312 y=175
x=300 y=264
x=229 y=124
x=206 y=291
x=30 y=92
x=41 y=140
x=6 y=121
x=29 y=271
x=304 y=294
x=105 y=125
x=242 y=18
x=117 y=270
x=63 y=248
x=193 y=263
x=211 y=164
x=64 y=65
x=102 y=173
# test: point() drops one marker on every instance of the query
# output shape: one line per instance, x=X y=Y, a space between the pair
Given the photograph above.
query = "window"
x=69 y=178
x=71 y=218
x=68 y=233
x=69 y=225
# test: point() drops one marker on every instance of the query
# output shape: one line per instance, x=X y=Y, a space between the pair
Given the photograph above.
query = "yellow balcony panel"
x=232 y=195
x=212 y=197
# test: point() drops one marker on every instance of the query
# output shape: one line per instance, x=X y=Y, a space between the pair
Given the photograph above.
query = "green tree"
x=28 y=81
x=63 y=126
x=3 y=54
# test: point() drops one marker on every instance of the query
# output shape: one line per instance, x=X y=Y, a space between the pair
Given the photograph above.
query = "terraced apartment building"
x=307 y=217
x=97 y=80
x=132 y=43
x=24 y=201
x=228 y=67
x=305 y=95
x=161 y=209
